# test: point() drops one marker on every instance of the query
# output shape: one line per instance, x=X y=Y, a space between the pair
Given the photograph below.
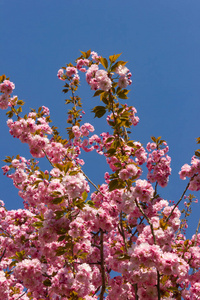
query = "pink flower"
x=60 y=74
x=70 y=71
x=7 y=87
x=123 y=82
x=4 y=101
x=121 y=70
x=105 y=84
x=82 y=62
x=95 y=56
x=76 y=131
x=124 y=174
x=46 y=110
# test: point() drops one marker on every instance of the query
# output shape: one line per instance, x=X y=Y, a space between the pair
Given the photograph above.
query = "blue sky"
x=160 y=41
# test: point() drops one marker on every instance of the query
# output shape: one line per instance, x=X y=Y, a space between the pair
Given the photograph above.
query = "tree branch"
x=195 y=241
x=180 y=198
x=103 y=287
x=148 y=220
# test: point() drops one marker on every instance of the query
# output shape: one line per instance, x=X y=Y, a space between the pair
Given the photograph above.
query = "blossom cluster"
x=6 y=88
x=65 y=243
x=193 y=172
x=158 y=164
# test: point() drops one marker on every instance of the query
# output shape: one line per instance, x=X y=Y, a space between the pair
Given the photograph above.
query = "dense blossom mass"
x=65 y=243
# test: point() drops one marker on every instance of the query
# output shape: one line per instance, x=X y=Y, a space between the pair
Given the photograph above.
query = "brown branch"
x=94 y=185
x=121 y=231
x=158 y=285
x=154 y=239
x=103 y=287
x=21 y=295
x=4 y=251
x=180 y=198
x=79 y=170
x=48 y=158
x=148 y=220
x=195 y=241
x=136 y=289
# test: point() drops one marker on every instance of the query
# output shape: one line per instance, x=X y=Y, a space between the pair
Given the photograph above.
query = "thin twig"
x=94 y=185
x=136 y=289
x=158 y=285
x=195 y=241
x=154 y=239
x=155 y=190
x=180 y=198
x=121 y=231
x=148 y=220
x=4 y=251
x=21 y=295
x=103 y=287
x=48 y=158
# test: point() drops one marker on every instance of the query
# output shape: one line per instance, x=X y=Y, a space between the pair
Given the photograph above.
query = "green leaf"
x=116 y=184
x=20 y=102
x=197 y=153
x=73 y=173
x=8 y=159
x=59 y=166
x=117 y=64
x=99 y=111
x=60 y=251
x=20 y=254
x=38 y=224
x=123 y=94
x=111 y=151
x=84 y=54
x=59 y=214
x=57 y=200
x=104 y=62
x=19 y=110
x=97 y=93
x=13 y=263
x=110 y=139
x=9 y=114
x=90 y=203
x=67 y=166
x=131 y=144
x=84 y=195
x=153 y=139
x=2 y=78
x=88 y=53
x=114 y=57
x=47 y=282
x=61 y=238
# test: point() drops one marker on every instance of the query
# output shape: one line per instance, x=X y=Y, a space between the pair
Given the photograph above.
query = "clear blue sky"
x=160 y=39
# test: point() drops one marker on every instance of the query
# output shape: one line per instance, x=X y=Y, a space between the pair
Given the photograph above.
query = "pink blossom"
x=82 y=62
x=4 y=101
x=70 y=71
x=7 y=87
x=76 y=131
x=60 y=74
x=95 y=56
x=121 y=70
x=105 y=84
x=123 y=82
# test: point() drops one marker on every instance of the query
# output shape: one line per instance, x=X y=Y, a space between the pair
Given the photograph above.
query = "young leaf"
x=104 y=62
x=99 y=111
x=114 y=57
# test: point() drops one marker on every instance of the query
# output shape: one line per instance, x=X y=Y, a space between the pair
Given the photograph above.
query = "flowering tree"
x=65 y=244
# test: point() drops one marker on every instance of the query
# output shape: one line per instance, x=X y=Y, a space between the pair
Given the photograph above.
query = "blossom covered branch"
x=65 y=243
